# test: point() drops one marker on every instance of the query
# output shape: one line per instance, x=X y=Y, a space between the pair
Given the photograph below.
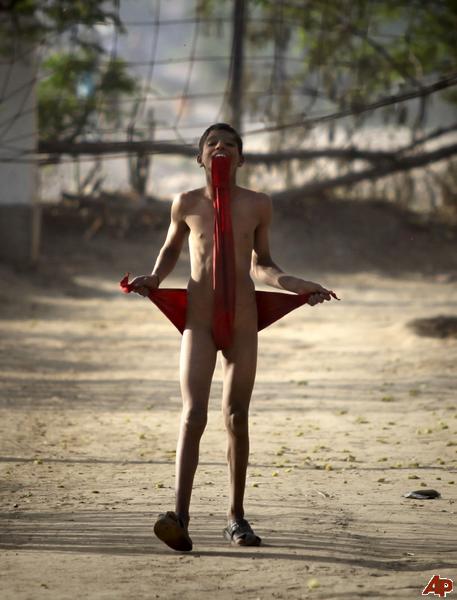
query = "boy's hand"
x=317 y=293
x=145 y=284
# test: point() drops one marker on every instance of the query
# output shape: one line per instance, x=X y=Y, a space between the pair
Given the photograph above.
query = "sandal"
x=240 y=533
x=170 y=529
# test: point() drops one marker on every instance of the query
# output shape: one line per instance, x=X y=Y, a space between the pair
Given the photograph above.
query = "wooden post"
x=236 y=74
x=19 y=199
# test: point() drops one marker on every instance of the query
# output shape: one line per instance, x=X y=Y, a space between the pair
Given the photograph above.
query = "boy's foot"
x=240 y=533
x=171 y=530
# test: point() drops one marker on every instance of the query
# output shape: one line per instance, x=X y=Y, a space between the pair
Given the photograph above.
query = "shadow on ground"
x=127 y=533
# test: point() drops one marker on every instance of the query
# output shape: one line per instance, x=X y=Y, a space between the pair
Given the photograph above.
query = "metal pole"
x=236 y=75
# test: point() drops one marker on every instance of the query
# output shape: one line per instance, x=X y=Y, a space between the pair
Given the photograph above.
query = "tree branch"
x=57 y=147
x=401 y=164
x=430 y=136
x=425 y=90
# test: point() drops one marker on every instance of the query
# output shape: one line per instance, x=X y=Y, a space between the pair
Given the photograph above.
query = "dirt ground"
x=351 y=410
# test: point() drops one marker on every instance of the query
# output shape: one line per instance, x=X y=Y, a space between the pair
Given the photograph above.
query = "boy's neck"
x=209 y=185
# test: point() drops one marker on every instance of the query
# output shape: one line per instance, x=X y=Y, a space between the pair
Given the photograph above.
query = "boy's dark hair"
x=225 y=127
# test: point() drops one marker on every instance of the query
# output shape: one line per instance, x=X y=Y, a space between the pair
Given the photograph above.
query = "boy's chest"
x=244 y=220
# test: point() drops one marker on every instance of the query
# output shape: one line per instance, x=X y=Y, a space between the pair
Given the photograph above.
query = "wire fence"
x=182 y=62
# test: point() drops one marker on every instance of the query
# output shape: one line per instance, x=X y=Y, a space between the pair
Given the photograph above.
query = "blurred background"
x=347 y=110
x=348 y=114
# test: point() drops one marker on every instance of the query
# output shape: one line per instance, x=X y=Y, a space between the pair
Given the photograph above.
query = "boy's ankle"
x=184 y=519
x=235 y=516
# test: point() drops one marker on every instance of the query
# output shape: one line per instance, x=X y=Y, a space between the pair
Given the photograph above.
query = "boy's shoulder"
x=259 y=202
x=197 y=192
x=259 y=197
x=190 y=195
x=185 y=201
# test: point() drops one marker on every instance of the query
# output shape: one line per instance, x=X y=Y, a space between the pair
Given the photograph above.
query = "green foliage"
x=32 y=20
x=63 y=110
x=352 y=51
x=114 y=78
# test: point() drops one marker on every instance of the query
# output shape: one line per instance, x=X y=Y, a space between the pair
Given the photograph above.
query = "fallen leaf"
x=361 y=421
x=350 y=458
x=387 y=399
x=313 y=583
x=424 y=431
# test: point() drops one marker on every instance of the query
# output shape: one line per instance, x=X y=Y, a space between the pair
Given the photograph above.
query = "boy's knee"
x=236 y=421
x=195 y=420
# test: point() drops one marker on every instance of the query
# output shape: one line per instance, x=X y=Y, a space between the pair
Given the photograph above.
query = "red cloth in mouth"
x=224 y=273
x=271 y=306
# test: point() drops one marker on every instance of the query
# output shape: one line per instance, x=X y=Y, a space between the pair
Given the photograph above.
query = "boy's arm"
x=169 y=253
x=267 y=271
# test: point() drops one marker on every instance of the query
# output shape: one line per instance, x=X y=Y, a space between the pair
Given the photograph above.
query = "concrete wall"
x=19 y=209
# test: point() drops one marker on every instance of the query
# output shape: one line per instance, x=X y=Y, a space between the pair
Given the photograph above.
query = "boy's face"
x=220 y=141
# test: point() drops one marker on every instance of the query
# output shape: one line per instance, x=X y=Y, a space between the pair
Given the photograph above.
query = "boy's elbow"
x=255 y=267
x=258 y=268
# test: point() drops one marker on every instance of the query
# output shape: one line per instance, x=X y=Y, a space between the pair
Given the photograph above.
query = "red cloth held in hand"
x=271 y=306
x=172 y=302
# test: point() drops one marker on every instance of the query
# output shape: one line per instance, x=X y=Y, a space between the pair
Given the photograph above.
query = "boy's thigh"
x=197 y=362
x=239 y=363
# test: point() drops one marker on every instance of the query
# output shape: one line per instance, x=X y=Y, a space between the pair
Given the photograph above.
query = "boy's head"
x=222 y=127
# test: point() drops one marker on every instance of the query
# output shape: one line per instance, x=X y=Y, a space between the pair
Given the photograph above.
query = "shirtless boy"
x=192 y=213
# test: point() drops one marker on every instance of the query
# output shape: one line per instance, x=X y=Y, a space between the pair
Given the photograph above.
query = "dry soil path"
x=350 y=411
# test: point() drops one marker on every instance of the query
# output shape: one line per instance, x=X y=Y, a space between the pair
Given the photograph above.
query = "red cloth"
x=271 y=306
x=224 y=274
x=172 y=302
